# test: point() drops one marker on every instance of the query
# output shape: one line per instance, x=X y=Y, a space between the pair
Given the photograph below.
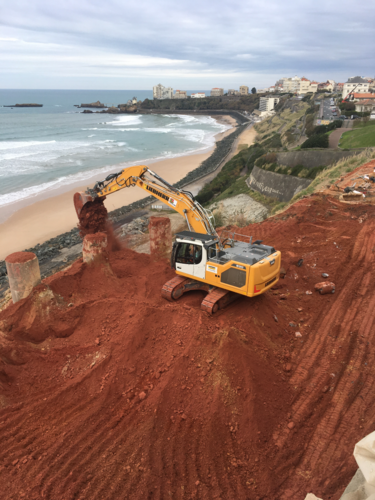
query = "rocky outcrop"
x=240 y=207
x=96 y=104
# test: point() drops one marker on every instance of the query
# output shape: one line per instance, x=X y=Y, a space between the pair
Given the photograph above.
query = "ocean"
x=49 y=150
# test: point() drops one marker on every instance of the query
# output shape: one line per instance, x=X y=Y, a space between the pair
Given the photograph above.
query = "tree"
x=253 y=90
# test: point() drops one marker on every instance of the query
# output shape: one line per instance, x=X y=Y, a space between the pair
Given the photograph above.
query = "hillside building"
x=198 y=95
x=217 y=92
x=233 y=92
x=326 y=86
x=355 y=84
x=244 y=90
x=180 y=94
x=161 y=92
x=365 y=105
x=268 y=103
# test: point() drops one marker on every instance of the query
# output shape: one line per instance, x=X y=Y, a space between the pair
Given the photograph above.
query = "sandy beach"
x=50 y=217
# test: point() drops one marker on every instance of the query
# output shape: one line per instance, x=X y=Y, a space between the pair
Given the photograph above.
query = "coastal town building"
x=339 y=87
x=244 y=90
x=355 y=84
x=268 y=103
x=198 y=95
x=262 y=91
x=180 y=94
x=161 y=92
x=295 y=85
x=217 y=92
x=361 y=97
x=272 y=88
x=328 y=85
x=233 y=92
x=365 y=105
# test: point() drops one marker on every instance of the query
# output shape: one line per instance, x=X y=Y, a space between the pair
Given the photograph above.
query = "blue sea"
x=49 y=150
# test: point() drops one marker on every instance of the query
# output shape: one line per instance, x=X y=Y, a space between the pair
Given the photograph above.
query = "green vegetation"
x=362 y=137
x=240 y=103
x=316 y=141
x=318 y=136
x=230 y=173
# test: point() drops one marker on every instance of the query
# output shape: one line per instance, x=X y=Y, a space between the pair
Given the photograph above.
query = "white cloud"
x=199 y=44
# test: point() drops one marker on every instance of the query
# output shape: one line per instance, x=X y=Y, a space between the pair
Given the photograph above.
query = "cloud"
x=192 y=45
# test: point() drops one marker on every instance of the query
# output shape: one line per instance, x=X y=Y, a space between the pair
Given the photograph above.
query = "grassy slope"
x=361 y=137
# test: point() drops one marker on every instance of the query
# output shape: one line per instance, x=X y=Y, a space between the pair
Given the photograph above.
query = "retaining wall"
x=311 y=159
x=281 y=187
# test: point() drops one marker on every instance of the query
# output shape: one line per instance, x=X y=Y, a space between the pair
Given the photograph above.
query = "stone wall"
x=311 y=159
x=281 y=187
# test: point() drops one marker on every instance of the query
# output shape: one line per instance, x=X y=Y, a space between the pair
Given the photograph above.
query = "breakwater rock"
x=279 y=186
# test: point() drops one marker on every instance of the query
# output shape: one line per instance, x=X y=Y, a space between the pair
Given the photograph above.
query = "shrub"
x=316 y=141
x=296 y=170
x=265 y=159
x=313 y=172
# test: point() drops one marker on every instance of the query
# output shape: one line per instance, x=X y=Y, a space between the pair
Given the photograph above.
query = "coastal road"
x=327 y=112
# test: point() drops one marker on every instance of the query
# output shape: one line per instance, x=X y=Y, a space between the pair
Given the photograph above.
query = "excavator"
x=225 y=266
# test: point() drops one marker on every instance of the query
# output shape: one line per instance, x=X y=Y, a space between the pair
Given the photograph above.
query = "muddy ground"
x=108 y=391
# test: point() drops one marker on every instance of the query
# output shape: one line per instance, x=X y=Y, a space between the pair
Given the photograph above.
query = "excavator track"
x=217 y=298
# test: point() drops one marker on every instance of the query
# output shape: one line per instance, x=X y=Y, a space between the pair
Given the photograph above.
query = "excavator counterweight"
x=224 y=267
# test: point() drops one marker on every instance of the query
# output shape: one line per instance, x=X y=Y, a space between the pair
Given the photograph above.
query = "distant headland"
x=24 y=106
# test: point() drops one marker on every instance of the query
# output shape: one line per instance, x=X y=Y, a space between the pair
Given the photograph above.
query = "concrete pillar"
x=160 y=237
x=23 y=273
x=94 y=248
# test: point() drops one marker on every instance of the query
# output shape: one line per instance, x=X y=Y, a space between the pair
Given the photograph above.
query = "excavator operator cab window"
x=189 y=254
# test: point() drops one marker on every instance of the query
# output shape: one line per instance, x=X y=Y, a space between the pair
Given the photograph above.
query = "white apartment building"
x=355 y=84
x=161 y=92
x=198 y=95
x=244 y=90
x=217 y=92
x=268 y=103
x=180 y=94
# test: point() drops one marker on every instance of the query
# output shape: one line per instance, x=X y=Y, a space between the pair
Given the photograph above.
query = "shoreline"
x=50 y=217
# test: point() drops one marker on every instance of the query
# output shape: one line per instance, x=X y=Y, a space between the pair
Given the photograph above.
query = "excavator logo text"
x=158 y=193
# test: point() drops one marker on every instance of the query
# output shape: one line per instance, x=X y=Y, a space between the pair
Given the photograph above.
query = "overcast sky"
x=111 y=44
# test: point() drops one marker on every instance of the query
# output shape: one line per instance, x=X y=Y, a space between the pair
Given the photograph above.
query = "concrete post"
x=23 y=273
x=160 y=237
x=94 y=248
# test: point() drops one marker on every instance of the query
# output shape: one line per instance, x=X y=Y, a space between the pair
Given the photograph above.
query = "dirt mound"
x=108 y=391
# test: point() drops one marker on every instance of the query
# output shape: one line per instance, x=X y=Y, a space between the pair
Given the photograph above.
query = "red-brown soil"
x=93 y=217
x=110 y=392
x=20 y=257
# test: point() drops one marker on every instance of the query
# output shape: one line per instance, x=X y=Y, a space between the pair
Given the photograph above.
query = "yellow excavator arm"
x=198 y=218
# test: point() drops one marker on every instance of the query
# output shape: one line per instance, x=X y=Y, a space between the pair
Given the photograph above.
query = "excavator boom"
x=198 y=219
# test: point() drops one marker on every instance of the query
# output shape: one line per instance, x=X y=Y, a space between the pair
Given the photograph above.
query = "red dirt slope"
x=108 y=391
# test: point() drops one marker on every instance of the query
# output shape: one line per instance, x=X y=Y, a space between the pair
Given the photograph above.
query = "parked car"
x=353 y=117
x=342 y=117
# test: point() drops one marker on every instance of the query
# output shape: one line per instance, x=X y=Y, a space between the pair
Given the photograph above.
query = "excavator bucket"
x=81 y=199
